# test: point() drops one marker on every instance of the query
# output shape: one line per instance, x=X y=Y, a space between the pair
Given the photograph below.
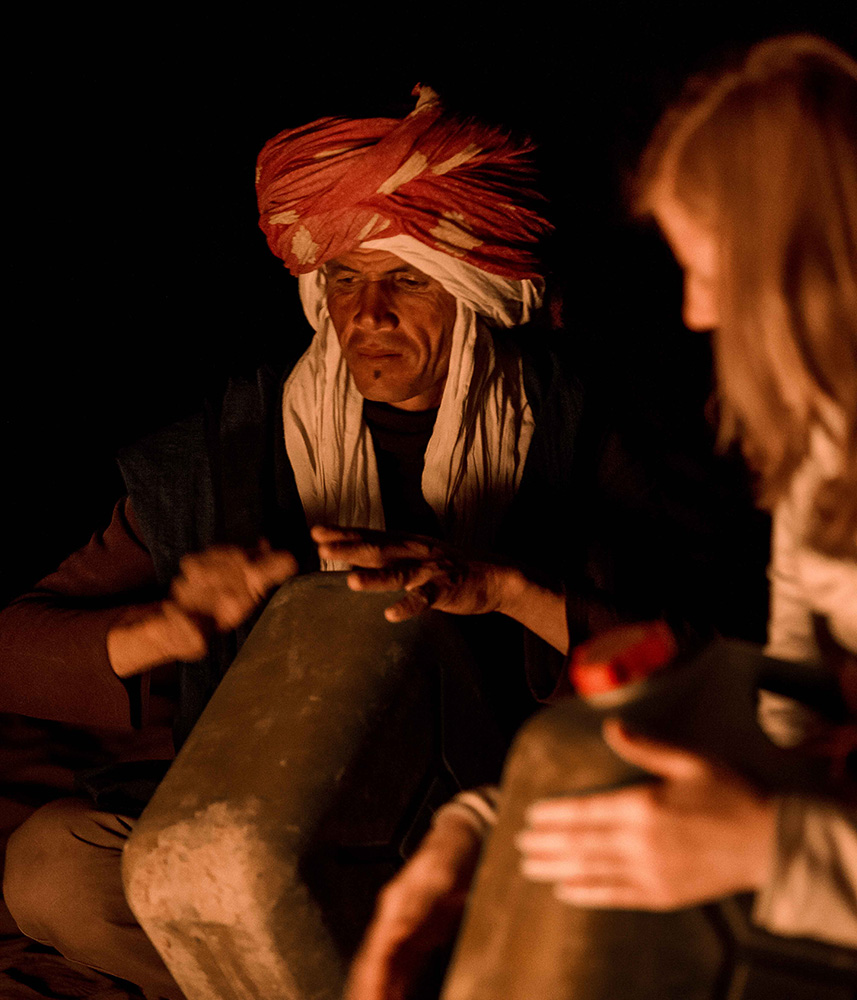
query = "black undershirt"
x=400 y=438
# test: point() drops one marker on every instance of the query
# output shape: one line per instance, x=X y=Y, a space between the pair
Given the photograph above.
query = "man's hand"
x=435 y=575
x=417 y=912
x=216 y=591
x=432 y=573
x=697 y=834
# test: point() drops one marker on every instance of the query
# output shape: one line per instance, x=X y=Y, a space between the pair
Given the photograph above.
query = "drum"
x=312 y=772
x=519 y=943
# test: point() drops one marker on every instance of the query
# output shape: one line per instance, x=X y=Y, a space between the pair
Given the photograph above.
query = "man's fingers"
x=269 y=569
x=230 y=565
x=332 y=533
x=378 y=579
x=371 y=549
x=418 y=579
x=425 y=590
x=371 y=536
x=226 y=583
x=372 y=556
x=408 y=607
x=406 y=574
x=226 y=602
x=435 y=575
x=216 y=590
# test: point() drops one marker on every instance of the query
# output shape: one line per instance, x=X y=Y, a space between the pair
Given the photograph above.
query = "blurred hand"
x=216 y=591
x=698 y=833
x=433 y=574
x=417 y=913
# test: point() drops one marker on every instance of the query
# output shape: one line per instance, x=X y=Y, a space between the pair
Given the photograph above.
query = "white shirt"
x=813 y=892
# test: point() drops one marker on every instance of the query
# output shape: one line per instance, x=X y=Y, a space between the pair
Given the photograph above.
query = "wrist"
x=454 y=843
x=126 y=651
x=512 y=586
x=537 y=608
x=151 y=635
x=452 y=824
x=477 y=807
x=760 y=870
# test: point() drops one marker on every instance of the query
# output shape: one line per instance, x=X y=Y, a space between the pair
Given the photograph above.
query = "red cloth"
x=459 y=186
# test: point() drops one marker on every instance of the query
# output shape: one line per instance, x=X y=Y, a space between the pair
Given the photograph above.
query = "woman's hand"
x=698 y=833
x=417 y=912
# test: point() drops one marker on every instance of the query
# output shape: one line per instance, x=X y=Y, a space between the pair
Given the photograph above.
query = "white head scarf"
x=476 y=455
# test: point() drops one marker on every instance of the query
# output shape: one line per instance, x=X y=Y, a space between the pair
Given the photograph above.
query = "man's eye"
x=410 y=281
x=344 y=280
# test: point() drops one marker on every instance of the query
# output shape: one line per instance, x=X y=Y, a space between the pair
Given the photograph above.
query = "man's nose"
x=375 y=308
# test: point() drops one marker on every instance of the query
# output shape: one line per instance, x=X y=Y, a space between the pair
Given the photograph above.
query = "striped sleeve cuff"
x=478 y=807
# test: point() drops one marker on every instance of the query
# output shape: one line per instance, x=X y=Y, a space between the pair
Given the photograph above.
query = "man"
x=413 y=239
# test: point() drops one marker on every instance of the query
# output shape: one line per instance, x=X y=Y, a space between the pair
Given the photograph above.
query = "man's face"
x=394 y=325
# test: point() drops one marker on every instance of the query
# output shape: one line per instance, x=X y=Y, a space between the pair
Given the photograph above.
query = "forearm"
x=418 y=911
x=537 y=608
x=146 y=636
x=55 y=664
x=454 y=835
x=55 y=661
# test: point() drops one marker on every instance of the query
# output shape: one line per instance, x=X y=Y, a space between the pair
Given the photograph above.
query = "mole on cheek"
x=376 y=374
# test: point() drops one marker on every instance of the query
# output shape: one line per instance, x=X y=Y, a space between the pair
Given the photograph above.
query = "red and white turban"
x=455 y=200
x=455 y=185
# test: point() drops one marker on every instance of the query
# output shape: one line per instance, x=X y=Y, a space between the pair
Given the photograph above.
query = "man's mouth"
x=374 y=355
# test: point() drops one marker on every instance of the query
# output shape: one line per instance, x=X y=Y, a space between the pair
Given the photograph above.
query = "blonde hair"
x=766 y=155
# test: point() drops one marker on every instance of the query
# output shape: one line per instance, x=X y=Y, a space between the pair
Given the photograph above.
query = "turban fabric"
x=454 y=185
x=454 y=199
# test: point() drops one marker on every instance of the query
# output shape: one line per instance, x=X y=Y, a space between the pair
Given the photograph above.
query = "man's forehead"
x=367 y=261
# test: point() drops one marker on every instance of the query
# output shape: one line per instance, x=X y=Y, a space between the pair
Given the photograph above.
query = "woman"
x=752 y=178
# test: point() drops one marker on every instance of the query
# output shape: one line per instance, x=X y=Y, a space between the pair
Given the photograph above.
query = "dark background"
x=138 y=276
